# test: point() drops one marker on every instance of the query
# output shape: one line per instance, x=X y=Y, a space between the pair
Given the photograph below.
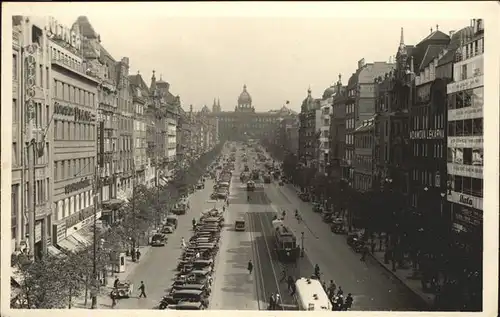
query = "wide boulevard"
x=157 y=269
x=372 y=287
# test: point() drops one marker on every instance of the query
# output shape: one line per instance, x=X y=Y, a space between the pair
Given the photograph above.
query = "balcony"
x=73 y=67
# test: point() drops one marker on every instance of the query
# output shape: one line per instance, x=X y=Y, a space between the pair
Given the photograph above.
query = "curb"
x=401 y=280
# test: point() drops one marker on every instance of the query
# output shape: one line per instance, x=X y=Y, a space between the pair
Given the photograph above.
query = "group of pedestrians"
x=336 y=297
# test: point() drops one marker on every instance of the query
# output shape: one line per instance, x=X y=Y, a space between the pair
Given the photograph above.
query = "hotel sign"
x=78 y=115
x=465 y=141
x=465 y=170
x=469 y=83
x=427 y=134
x=57 y=31
x=466 y=200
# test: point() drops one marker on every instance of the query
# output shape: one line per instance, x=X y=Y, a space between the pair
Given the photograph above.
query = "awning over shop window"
x=88 y=232
x=53 y=251
x=70 y=244
x=81 y=239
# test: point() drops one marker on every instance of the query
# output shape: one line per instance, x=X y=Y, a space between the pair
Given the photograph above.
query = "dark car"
x=159 y=240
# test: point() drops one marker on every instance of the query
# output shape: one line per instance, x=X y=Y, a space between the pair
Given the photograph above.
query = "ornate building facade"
x=244 y=122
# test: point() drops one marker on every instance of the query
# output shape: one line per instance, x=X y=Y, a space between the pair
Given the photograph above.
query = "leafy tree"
x=43 y=282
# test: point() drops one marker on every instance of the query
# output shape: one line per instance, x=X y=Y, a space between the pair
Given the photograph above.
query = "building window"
x=15 y=154
x=14 y=201
x=14 y=66
x=15 y=111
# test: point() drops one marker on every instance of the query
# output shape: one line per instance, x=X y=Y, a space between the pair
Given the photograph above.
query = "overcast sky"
x=210 y=50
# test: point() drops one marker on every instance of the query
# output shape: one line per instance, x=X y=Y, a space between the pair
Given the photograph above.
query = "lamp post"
x=302 y=244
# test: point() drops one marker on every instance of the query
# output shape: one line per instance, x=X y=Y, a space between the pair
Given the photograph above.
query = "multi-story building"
x=363 y=165
x=140 y=98
x=326 y=111
x=428 y=136
x=465 y=153
x=360 y=110
x=18 y=225
x=166 y=124
x=337 y=132
x=74 y=152
x=32 y=137
x=102 y=65
x=245 y=122
x=183 y=138
x=309 y=118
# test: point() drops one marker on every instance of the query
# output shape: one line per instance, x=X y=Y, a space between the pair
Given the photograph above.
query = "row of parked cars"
x=192 y=285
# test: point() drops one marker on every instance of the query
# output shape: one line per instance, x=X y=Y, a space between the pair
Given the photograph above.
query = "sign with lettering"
x=77 y=186
x=465 y=141
x=468 y=217
x=465 y=113
x=427 y=134
x=79 y=115
x=466 y=200
x=465 y=170
x=57 y=31
x=30 y=82
x=469 y=83
x=59 y=232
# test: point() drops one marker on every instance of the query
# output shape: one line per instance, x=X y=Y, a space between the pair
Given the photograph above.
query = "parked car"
x=158 y=240
x=200 y=185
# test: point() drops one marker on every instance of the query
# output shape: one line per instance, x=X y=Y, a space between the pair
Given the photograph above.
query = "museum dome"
x=244 y=98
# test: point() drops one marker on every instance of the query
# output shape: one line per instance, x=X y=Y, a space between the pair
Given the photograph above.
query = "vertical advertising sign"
x=30 y=88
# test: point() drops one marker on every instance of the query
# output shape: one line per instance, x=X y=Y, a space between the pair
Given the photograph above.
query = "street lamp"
x=302 y=244
x=442 y=203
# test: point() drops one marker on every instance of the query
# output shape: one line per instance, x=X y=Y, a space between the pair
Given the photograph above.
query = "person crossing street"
x=142 y=289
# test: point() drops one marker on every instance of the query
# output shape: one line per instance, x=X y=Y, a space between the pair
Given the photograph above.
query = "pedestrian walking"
x=142 y=289
x=283 y=275
x=138 y=254
x=183 y=243
x=197 y=255
x=278 y=301
x=348 y=302
x=340 y=292
x=290 y=282
x=364 y=253
x=272 y=302
x=331 y=289
x=113 y=299
x=250 y=266
x=115 y=283
x=324 y=285
x=294 y=288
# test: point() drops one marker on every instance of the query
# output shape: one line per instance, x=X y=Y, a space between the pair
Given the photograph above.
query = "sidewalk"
x=103 y=299
x=405 y=275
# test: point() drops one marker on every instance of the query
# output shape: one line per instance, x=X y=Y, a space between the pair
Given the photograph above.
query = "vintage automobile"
x=167 y=229
x=123 y=289
x=172 y=221
x=281 y=183
x=337 y=226
x=180 y=208
x=317 y=207
x=239 y=225
x=187 y=306
x=158 y=240
x=187 y=295
x=200 y=185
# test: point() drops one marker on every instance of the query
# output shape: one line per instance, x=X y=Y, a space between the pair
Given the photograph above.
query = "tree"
x=43 y=283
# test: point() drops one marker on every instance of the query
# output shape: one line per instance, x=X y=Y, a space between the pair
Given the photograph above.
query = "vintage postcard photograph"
x=272 y=157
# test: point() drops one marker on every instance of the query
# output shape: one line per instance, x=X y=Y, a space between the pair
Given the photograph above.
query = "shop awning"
x=53 y=251
x=70 y=244
x=88 y=233
x=82 y=239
